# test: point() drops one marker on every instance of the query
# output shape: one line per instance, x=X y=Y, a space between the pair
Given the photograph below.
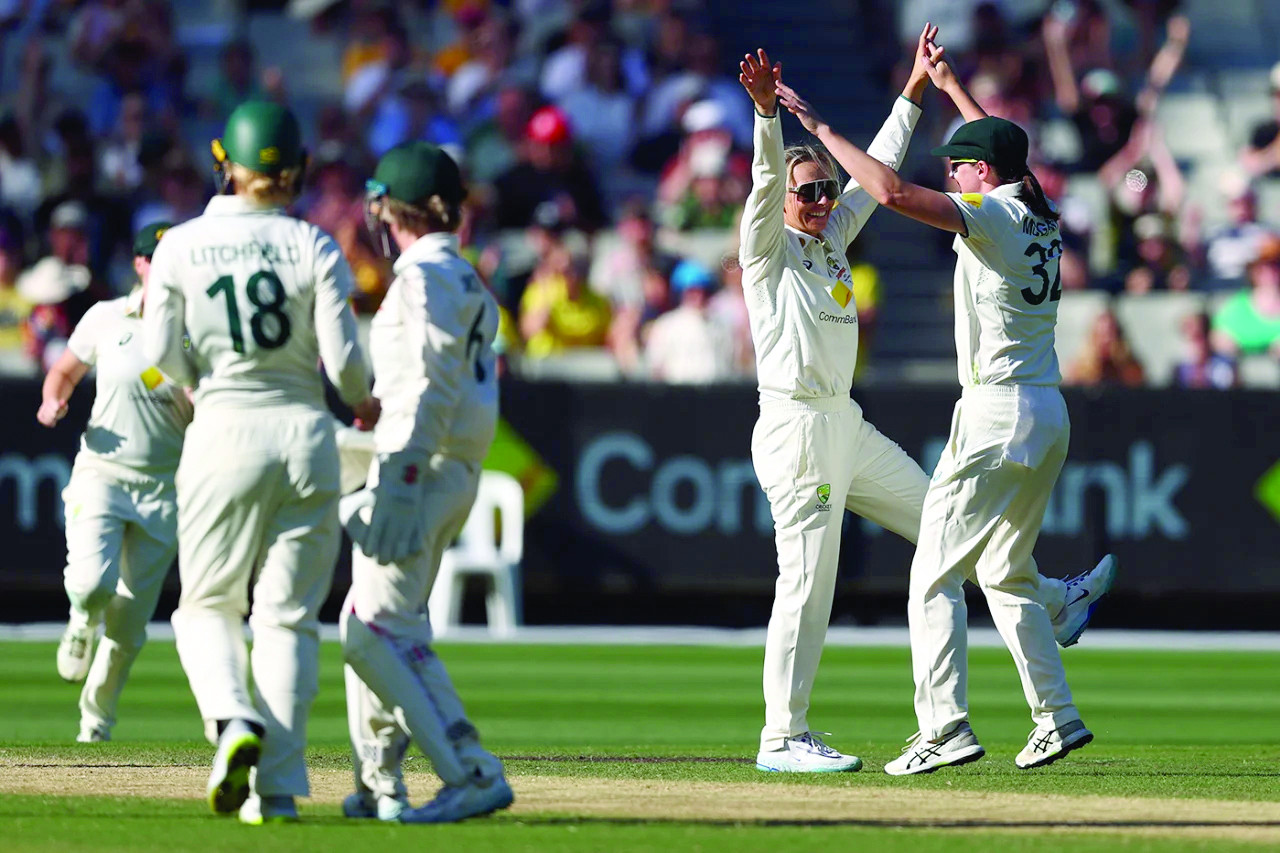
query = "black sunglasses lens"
x=813 y=190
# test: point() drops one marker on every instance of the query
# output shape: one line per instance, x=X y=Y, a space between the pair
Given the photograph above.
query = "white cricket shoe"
x=93 y=733
x=1083 y=592
x=453 y=804
x=806 y=753
x=239 y=748
x=75 y=652
x=366 y=804
x=257 y=811
x=1046 y=746
x=925 y=756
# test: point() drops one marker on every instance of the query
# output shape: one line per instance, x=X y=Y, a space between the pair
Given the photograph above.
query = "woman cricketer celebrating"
x=1009 y=435
x=121 y=508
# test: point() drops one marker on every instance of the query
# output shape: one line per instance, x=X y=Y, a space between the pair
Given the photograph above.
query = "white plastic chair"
x=491 y=544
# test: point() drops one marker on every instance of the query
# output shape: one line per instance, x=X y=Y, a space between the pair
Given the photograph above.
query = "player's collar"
x=425 y=247
x=229 y=205
x=806 y=238
x=1006 y=190
x=133 y=302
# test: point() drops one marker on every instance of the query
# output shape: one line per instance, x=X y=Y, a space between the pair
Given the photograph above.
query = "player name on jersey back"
x=254 y=251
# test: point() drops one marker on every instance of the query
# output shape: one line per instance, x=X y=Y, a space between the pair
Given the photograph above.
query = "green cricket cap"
x=148 y=237
x=414 y=171
x=999 y=142
x=262 y=136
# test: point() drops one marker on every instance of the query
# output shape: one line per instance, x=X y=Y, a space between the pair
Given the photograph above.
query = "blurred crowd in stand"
x=607 y=149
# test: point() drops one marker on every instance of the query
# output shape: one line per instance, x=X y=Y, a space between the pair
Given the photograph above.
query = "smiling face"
x=807 y=216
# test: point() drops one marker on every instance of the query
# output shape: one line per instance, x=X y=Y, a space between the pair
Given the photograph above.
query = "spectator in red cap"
x=549 y=169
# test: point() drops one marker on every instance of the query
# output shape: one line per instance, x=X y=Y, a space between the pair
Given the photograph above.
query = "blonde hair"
x=434 y=215
x=815 y=153
x=261 y=188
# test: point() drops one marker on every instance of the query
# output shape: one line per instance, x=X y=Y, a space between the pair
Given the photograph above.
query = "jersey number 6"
x=1054 y=290
x=269 y=324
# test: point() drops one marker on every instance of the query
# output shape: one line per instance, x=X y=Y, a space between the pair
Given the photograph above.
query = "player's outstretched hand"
x=367 y=413
x=938 y=69
x=51 y=411
x=759 y=78
x=920 y=63
x=799 y=107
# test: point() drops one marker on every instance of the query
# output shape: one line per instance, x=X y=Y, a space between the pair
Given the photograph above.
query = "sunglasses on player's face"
x=813 y=190
x=956 y=164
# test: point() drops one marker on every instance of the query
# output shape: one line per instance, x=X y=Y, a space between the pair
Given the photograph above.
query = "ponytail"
x=1033 y=196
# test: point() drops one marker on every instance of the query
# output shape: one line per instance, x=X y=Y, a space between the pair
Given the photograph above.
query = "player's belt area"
x=806 y=404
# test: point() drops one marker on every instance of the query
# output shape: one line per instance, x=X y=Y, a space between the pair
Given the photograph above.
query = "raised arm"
x=946 y=81
x=1065 y=89
x=1165 y=63
x=883 y=184
x=762 y=219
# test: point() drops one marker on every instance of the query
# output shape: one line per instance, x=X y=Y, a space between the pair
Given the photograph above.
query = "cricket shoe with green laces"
x=925 y=756
x=1083 y=592
x=1046 y=746
x=258 y=811
x=239 y=748
x=806 y=753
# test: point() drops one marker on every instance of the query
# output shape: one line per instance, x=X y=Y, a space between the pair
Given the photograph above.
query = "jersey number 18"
x=269 y=325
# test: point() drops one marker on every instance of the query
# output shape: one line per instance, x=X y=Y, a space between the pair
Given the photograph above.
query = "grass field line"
x=768 y=803
x=630 y=635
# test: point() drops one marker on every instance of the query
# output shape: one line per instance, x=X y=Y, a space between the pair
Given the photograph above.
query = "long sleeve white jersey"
x=433 y=362
x=244 y=301
x=139 y=415
x=1007 y=290
x=798 y=288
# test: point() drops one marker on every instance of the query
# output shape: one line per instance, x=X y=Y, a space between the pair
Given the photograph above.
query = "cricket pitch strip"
x=570 y=799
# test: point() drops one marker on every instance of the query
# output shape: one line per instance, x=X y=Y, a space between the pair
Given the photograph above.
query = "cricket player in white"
x=1009 y=435
x=812 y=448
x=432 y=348
x=261 y=297
x=120 y=507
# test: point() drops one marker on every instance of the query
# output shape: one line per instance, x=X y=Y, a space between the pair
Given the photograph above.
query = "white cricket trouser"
x=257 y=502
x=982 y=515
x=122 y=536
x=814 y=458
x=391 y=598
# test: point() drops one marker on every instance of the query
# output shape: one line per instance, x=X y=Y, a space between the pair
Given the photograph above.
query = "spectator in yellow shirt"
x=558 y=311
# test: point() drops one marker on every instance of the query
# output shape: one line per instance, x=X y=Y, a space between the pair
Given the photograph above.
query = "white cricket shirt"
x=262 y=299
x=798 y=288
x=139 y=414
x=432 y=348
x=1007 y=290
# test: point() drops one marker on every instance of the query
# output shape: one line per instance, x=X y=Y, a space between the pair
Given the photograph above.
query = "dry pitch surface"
x=850 y=804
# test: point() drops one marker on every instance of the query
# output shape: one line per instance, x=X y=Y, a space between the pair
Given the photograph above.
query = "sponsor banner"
x=647 y=490
x=657 y=490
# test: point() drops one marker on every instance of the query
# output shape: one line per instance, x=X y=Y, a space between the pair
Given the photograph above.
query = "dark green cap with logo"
x=146 y=240
x=415 y=171
x=1001 y=143
x=262 y=136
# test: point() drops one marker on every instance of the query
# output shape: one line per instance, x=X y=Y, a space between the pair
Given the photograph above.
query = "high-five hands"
x=931 y=58
x=760 y=79
x=799 y=107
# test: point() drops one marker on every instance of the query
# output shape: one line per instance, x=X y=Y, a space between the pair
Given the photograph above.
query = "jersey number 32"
x=268 y=324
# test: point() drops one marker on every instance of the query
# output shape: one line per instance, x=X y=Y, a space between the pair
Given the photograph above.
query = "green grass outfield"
x=597 y=736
